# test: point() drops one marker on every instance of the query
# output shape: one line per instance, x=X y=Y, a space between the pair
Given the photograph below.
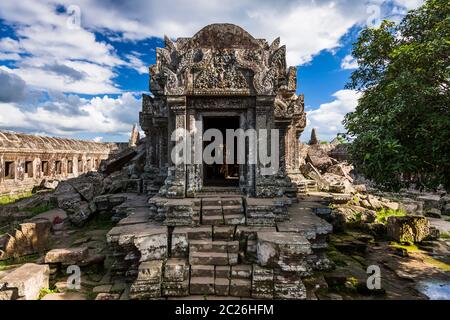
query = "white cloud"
x=349 y=63
x=97 y=139
x=100 y=114
x=327 y=119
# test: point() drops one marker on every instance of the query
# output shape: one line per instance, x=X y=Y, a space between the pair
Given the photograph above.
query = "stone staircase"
x=221 y=245
x=305 y=186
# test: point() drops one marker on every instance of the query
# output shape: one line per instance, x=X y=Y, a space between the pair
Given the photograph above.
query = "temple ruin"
x=27 y=160
x=222 y=78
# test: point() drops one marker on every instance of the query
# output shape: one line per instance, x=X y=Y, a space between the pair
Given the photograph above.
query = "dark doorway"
x=221 y=174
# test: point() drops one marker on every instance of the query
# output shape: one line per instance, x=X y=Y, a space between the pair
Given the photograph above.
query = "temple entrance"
x=221 y=174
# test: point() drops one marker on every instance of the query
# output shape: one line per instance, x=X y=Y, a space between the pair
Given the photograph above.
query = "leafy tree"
x=402 y=122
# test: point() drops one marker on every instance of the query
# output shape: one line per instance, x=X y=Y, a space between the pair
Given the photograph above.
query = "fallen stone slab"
x=31 y=237
x=67 y=255
x=287 y=251
x=28 y=280
x=409 y=229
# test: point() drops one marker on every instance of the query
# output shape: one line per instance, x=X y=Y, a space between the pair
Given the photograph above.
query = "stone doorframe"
x=195 y=172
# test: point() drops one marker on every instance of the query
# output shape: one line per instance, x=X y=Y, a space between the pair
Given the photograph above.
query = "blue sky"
x=78 y=68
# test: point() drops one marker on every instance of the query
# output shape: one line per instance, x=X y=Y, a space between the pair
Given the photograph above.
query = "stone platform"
x=224 y=246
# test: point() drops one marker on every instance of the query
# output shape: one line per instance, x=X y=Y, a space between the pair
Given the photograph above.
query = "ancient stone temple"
x=220 y=229
x=222 y=78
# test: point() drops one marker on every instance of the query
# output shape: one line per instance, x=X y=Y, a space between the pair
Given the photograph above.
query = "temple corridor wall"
x=27 y=160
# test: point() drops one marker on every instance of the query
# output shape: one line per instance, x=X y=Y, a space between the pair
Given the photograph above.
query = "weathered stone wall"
x=27 y=160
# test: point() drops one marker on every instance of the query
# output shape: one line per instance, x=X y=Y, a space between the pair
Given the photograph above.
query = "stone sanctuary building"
x=220 y=229
x=27 y=160
x=222 y=78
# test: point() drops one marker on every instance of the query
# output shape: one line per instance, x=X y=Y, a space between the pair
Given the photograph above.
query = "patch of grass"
x=445 y=235
x=426 y=258
x=384 y=214
x=40 y=209
x=8 y=199
x=44 y=291
x=99 y=222
x=437 y=263
x=409 y=248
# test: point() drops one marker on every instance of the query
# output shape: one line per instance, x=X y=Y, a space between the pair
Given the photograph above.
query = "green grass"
x=8 y=199
x=99 y=222
x=44 y=291
x=384 y=214
x=426 y=258
x=445 y=235
x=40 y=209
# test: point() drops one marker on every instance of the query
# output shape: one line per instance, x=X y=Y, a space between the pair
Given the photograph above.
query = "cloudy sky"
x=78 y=68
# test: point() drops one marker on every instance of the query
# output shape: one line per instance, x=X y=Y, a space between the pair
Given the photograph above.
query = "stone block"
x=240 y=288
x=150 y=271
x=204 y=271
x=176 y=270
x=28 y=280
x=175 y=289
x=222 y=286
x=223 y=272
x=241 y=271
x=202 y=285
x=408 y=228
x=152 y=243
x=179 y=244
x=224 y=233
x=289 y=287
x=67 y=256
x=287 y=251
x=209 y=258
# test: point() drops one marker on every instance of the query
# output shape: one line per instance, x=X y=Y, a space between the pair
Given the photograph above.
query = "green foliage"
x=40 y=209
x=401 y=125
x=44 y=291
x=445 y=235
x=383 y=214
x=324 y=142
x=8 y=199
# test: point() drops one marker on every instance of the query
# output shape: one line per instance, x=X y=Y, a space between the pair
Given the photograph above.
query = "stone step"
x=198 y=233
x=208 y=211
x=202 y=271
x=206 y=202
x=202 y=285
x=213 y=220
x=218 y=246
x=208 y=246
x=225 y=233
x=232 y=209
x=222 y=286
x=232 y=201
x=234 y=219
x=240 y=288
x=209 y=258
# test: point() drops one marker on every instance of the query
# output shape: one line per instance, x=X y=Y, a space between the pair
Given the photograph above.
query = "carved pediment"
x=219 y=59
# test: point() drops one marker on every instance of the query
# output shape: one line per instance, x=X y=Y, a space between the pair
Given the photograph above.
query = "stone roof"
x=20 y=142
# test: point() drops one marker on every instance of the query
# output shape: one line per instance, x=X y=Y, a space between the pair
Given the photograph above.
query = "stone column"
x=175 y=184
x=264 y=114
x=193 y=170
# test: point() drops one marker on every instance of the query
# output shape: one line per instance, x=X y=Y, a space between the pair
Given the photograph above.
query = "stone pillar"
x=194 y=179
x=175 y=184
x=264 y=112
